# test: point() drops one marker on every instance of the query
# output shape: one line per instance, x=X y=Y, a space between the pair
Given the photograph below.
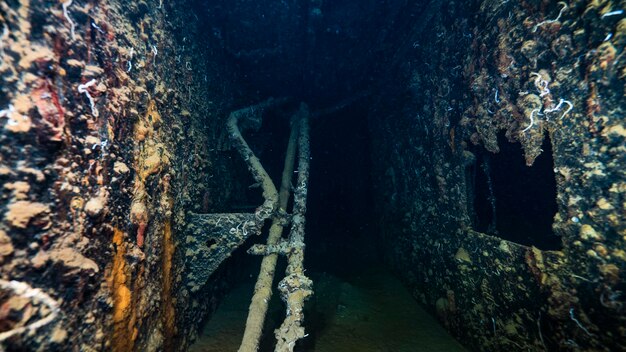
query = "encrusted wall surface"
x=111 y=113
x=472 y=70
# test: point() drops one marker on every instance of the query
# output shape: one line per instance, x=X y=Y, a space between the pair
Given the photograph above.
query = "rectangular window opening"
x=514 y=201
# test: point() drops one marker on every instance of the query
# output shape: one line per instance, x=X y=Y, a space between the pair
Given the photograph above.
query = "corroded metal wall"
x=111 y=114
x=532 y=70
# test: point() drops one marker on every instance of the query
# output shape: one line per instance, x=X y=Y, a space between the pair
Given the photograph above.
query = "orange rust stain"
x=593 y=105
x=118 y=280
x=452 y=145
x=168 y=312
x=151 y=157
x=145 y=127
x=47 y=102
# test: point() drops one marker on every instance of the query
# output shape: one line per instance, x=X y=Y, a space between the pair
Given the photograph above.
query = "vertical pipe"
x=296 y=288
x=263 y=286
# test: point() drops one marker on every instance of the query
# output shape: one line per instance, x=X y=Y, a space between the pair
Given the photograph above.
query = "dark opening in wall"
x=514 y=201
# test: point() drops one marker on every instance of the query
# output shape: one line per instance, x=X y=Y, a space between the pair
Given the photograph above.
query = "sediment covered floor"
x=358 y=306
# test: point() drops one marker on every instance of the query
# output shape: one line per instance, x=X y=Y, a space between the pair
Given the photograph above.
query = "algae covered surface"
x=95 y=99
x=477 y=77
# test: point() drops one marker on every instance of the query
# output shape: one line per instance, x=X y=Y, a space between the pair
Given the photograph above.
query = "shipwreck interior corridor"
x=332 y=63
x=313 y=175
x=358 y=304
